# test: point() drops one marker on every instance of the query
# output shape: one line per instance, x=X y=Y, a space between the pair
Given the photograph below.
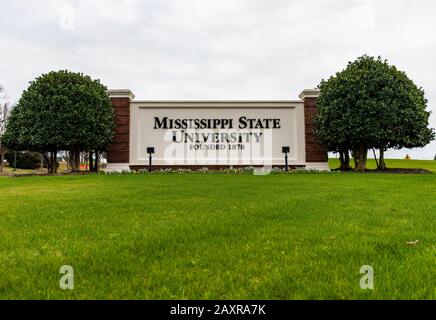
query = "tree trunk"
x=344 y=158
x=51 y=162
x=375 y=158
x=75 y=164
x=355 y=155
x=97 y=160
x=71 y=160
x=47 y=161
x=51 y=165
x=77 y=161
x=91 y=161
x=55 y=162
x=363 y=153
x=74 y=160
x=382 y=164
x=341 y=160
x=347 y=160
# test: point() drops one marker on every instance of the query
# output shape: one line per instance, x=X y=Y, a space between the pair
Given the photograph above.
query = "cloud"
x=214 y=49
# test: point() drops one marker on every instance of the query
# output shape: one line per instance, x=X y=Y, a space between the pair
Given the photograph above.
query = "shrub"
x=371 y=104
x=61 y=111
x=25 y=160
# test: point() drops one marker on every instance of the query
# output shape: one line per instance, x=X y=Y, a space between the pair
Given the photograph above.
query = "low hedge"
x=25 y=160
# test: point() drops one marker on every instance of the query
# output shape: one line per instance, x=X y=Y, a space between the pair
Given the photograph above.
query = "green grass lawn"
x=218 y=236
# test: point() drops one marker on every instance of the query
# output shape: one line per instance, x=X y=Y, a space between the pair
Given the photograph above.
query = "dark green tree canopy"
x=372 y=104
x=61 y=111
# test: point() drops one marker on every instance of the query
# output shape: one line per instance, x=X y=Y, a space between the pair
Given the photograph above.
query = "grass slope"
x=195 y=236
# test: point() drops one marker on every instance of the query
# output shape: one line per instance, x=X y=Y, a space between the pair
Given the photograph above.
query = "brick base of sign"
x=118 y=151
x=315 y=151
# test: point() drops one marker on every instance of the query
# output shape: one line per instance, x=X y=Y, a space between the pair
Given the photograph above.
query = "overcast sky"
x=215 y=49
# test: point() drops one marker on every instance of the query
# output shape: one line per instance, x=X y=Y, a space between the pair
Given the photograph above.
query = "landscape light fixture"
x=286 y=150
x=150 y=151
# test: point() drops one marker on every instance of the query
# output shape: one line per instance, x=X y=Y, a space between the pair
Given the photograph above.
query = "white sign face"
x=217 y=133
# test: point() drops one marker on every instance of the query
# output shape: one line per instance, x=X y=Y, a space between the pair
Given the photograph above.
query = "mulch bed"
x=402 y=170
x=395 y=171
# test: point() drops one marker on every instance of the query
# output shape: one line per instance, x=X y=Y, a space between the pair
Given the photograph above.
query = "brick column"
x=316 y=153
x=118 y=153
